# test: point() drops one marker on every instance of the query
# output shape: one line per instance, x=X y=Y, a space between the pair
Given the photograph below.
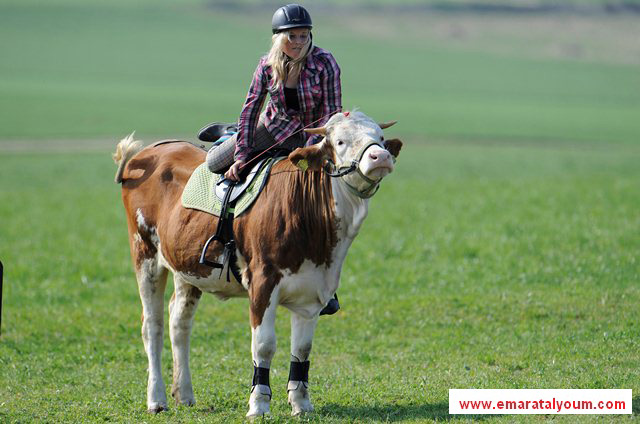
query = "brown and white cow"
x=291 y=245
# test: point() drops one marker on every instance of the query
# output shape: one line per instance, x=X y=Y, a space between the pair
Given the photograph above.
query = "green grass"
x=487 y=266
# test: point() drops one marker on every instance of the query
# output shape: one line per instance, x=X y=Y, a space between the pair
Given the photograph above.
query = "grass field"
x=502 y=253
x=511 y=267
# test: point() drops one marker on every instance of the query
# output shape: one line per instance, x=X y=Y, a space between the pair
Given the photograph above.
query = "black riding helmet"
x=290 y=16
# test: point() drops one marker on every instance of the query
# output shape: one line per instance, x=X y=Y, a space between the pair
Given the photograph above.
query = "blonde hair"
x=280 y=63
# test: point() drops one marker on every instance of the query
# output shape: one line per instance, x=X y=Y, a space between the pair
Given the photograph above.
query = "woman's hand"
x=234 y=172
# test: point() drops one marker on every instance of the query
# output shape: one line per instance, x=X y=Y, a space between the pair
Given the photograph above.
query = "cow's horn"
x=384 y=125
x=319 y=130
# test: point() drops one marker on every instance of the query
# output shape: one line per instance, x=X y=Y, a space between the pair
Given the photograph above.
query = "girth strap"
x=224 y=235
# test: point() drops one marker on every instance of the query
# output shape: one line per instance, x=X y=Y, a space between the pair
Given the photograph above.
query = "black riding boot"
x=332 y=307
x=214 y=131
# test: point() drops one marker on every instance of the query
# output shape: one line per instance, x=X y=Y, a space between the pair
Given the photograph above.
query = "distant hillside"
x=477 y=6
x=444 y=6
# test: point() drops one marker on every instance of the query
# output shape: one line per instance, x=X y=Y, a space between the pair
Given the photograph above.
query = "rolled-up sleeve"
x=251 y=112
x=332 y=94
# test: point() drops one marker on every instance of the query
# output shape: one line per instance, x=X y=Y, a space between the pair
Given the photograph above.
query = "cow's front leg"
x=263 y=346
x=302 y=330
x=182 y=309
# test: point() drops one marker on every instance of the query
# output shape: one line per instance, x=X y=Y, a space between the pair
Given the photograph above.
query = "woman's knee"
x=213 y=162
x=221 y=157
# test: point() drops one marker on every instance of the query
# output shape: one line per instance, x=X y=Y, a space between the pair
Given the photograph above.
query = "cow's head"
x=356 y=145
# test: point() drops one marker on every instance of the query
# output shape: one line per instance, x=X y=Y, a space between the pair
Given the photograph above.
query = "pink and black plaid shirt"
x=319 y=95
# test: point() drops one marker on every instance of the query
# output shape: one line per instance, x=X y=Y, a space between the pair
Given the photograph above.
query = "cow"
x=290 y=246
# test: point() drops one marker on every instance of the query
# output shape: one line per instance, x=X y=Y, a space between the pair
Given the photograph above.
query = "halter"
x=345 y=169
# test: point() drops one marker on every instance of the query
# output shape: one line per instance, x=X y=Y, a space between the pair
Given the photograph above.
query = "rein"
x=294 y=133
x=343 y=170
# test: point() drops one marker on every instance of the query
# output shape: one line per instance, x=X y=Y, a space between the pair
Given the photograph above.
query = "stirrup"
x=215 y=130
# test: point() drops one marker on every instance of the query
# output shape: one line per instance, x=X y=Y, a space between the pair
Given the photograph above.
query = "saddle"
x=200 y=191
x=226 y=199
x=237 y=188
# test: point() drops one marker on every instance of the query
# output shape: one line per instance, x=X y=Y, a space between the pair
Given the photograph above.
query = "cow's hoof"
x=258 y=409
x=186 y=402
x=154 y=409
x=252 y=415
x=301 y=409
x=185 y=398
x=300 y=406
x=299 y=400
x=259 y=401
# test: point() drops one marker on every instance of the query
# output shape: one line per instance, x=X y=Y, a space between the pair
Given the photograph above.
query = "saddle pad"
x=199 y=192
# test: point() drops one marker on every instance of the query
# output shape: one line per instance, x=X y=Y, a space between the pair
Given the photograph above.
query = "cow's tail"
x=125 y=151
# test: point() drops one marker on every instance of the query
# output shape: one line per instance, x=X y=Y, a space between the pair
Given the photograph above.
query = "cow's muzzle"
x=367 y=187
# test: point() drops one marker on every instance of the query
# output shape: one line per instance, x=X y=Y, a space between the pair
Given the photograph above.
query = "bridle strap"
x=282 y=141
x=354 y=166
x=363 y=194
x=329 y=168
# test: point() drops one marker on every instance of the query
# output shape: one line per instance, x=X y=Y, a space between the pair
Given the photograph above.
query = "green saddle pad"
x=199 y=193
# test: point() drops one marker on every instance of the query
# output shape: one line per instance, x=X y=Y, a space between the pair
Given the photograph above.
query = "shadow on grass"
x=636 y=405
x=392 y=413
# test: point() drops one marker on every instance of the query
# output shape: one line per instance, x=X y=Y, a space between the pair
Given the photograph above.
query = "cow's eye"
x=340 y=142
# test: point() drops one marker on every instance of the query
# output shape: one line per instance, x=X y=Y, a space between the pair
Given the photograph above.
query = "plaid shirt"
x=319 y=95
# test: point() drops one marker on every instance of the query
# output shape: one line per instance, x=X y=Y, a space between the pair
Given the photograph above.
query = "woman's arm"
x=251 y=112
x=331 y=94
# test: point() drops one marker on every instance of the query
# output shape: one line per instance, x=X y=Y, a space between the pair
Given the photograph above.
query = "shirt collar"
x=313 y=65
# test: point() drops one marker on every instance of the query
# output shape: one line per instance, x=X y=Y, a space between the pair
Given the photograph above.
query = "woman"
x=303 y=82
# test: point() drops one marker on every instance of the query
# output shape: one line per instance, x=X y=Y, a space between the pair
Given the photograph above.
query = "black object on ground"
x=1 y=269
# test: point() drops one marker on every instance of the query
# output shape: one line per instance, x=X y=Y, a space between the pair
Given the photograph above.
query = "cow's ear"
x=311 y=158
x=393 y=146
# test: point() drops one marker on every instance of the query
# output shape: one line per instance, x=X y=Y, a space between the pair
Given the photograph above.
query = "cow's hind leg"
x=263 y=303
x=182 y=309
x=152 y=280
x=302 y=330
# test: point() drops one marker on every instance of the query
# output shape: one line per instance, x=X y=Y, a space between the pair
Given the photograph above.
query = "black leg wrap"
x=299 y=371
x=260 y=376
